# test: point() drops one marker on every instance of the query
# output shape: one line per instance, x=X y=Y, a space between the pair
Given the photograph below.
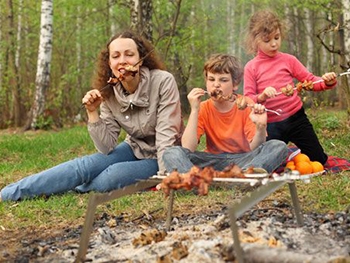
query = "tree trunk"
x=230 y=17
x=291 y=34
x=346 y=21
x=1 y=57
x=181 y=79
x=242 y=25
x=344 y=55
x=112 y=18
x=44 y=60
x=17 y=102
x=141 y=18
x=310 y=51
x=15 y=113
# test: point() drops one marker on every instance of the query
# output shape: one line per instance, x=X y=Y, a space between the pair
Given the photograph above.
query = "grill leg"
x=296 y=203
x=87 y=229
x=236 y=242
x=169 y=216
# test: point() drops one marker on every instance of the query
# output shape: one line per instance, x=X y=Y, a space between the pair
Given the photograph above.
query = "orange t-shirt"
x=229 y=132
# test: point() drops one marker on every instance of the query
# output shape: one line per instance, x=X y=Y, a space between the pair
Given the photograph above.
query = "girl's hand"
x=330 y=78
x=194 y=97
x=269 y=92
x=92 y=100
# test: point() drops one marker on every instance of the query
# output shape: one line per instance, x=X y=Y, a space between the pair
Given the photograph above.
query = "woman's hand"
x=330 y=78
x=92 y=100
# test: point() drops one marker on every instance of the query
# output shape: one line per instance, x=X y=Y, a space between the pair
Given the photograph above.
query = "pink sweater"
x=278 y=71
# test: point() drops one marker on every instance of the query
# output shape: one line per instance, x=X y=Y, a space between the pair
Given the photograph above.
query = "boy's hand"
x=194 y=97
x=258 y=115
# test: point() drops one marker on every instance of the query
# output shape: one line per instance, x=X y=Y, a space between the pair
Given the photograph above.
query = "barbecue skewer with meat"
x=218 y=94
x=129 y=70
x=242 y=104
x=199 y=178
x=299 y=87
x=306 y=85
x=240 y=100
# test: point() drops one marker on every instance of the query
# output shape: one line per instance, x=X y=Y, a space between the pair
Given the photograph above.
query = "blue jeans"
x=95 y=172
x=270 y=155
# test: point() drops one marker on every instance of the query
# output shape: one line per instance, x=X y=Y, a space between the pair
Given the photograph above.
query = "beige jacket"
x=151 y=117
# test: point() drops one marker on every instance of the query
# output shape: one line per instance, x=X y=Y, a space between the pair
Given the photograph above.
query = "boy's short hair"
x=224 y=63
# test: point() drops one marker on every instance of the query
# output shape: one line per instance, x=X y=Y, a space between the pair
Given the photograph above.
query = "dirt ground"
x=19 y=245
x=196 y=230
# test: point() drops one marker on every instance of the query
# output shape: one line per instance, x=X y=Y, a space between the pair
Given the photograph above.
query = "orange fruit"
x=316 y=167
x=303 y=167
x=290 y=165
x=301 y=157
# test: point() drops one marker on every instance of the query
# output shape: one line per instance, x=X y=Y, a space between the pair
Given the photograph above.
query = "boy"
x=233 y=135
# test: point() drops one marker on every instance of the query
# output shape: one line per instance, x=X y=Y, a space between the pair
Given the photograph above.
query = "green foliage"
x=332 y=123
x=328 y=121
x=82 y=27
x=44 y=123
x=23 y=153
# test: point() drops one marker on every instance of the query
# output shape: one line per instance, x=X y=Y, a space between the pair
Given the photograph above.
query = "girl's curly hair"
x=261 y=25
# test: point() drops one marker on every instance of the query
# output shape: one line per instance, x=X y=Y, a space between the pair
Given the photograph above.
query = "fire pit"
x=267 y=185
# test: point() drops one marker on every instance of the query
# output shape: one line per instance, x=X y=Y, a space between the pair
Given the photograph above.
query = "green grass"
x=31 y=152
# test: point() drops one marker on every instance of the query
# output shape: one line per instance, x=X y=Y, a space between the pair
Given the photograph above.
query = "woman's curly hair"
x=103 y=71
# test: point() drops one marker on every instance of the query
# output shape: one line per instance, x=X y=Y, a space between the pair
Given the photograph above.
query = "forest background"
x=42 y=86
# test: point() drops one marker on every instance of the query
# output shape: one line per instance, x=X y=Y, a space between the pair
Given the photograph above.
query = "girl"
x=268 y=72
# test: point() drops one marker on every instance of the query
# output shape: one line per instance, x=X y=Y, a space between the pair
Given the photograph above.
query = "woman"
x=145 y=103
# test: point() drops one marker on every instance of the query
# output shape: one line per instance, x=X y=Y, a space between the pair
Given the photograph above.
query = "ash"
x=267 y=235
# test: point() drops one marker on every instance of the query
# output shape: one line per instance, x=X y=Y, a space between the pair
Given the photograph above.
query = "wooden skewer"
x=321 y=80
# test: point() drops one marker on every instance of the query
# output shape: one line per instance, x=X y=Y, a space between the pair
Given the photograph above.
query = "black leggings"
x=298 y=130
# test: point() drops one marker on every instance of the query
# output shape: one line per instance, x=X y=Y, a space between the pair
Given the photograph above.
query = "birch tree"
x=1 y=48
x=141 y=17
x=231 y=26
x=17 y=101
x=344 y=33
x=309 y=43
x=112 y=17
x=44 y=60
x=12 y=67
x=346 y=19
